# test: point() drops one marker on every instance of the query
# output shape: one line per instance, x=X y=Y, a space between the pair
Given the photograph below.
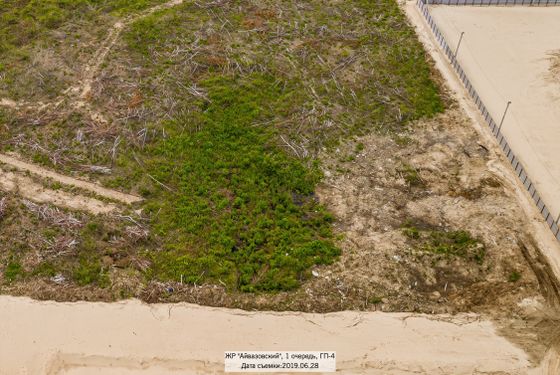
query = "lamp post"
x=459 y=44
x=503 y=117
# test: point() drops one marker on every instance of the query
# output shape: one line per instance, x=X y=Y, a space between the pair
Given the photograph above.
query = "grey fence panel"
x=514 y=160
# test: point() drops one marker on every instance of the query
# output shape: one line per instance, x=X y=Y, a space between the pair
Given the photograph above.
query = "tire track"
x=66 y=180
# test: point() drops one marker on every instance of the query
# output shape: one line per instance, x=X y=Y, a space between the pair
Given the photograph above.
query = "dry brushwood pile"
x=256 y=154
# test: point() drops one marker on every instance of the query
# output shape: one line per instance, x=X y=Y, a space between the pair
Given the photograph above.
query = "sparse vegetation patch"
x=215 y=113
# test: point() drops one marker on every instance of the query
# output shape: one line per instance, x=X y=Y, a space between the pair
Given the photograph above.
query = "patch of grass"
x=448 y=243
x=21 y=22
x=411 y=175
x=375 y=300
x=241 y=211
x=514 y=276
x=411 y=232
x=89 y=271
x=13 y=271
x=46 y=269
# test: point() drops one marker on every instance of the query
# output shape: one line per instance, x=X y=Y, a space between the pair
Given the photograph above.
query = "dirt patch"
x=28 y=188
x=89 y=186
x=555 y=66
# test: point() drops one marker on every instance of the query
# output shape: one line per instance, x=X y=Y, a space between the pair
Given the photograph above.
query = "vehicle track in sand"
x=28 y=188
x=71 y=181
x=77 y=97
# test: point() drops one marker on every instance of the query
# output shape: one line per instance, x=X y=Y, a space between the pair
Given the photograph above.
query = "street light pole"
x=503 y=117
x=459 y=44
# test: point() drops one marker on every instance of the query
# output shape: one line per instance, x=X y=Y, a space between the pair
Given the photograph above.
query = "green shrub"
x=13 y=271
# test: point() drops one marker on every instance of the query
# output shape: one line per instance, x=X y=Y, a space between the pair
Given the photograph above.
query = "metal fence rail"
x=515 y=162
x=536 y=3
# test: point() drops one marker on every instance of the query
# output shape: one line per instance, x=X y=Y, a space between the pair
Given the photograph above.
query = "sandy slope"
x=546 y=241
x=506 y=54
x=134 y=338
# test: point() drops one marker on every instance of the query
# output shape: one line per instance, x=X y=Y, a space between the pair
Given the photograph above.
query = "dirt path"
x=92 y=70
x=78 y=99
x=78 y=95
x=134 y=338
x=27 y=188
x=89 y=186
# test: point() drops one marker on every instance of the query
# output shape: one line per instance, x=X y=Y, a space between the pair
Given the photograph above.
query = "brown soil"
x=555 y=66
x=29 y=189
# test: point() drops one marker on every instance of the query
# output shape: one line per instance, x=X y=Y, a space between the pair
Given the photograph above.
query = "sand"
x=29 y=189
x=544 y=238
x=66 y=180
x=506 y=53
x=134 y=338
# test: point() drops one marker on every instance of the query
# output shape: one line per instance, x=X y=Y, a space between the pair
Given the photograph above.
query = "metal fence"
x=515 y=162
x=536 y=3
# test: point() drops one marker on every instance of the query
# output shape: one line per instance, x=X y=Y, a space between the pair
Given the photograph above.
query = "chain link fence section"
x=536 y=3
x=515 y=162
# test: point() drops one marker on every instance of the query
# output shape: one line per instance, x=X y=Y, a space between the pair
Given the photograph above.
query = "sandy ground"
x=546 y=242
x=134 y=338
x=506 y=53
x=89 y=186
x=29 y=189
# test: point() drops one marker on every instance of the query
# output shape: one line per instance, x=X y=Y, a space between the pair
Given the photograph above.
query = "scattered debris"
x=52 y=215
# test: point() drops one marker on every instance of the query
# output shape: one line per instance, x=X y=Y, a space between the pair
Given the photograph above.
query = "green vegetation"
x=243 y=211
x=514 y=276
x=411 y=175
x=375 y=300
x=230 y=107
x=230 y=205
x=447 y=243
x=22 y=22
x=34 y=35
x=13 y=271
x=89 y=272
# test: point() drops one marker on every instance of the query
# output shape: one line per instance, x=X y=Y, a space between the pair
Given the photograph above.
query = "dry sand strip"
x=134 y=338
x=89 y=186
x=26 y=187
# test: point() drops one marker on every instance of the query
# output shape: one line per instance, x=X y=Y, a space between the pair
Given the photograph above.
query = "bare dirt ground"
x=89 y=186
x=506 y=53
x=555 y=66
x=29 y=189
